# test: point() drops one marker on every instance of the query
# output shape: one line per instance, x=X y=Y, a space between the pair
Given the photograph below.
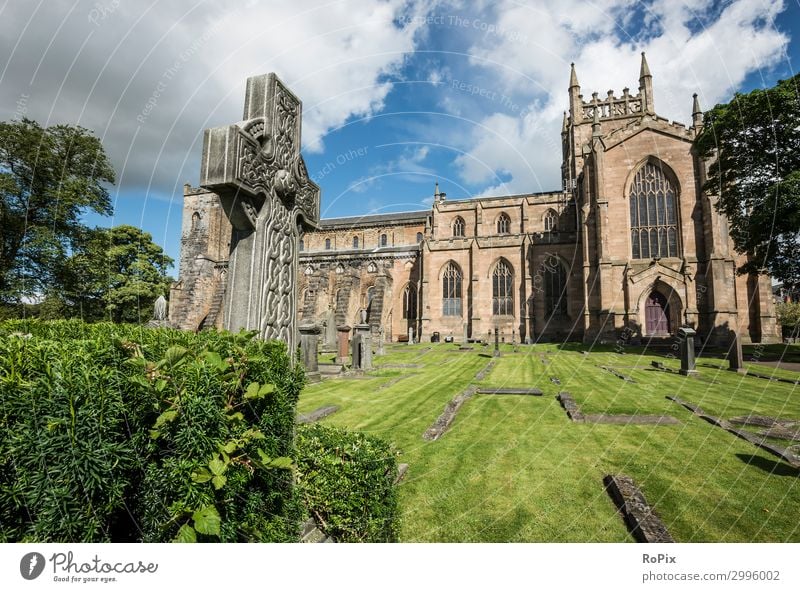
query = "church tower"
x=656 y=253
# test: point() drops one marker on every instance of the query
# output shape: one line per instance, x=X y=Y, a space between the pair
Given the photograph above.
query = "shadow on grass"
x=769 y=466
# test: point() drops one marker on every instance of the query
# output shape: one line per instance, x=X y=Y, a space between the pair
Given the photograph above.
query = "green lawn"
x=514 y=468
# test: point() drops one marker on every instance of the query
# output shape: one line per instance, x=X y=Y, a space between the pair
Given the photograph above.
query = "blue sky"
x=397 y=93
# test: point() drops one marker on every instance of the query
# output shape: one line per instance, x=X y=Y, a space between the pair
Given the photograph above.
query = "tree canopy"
x=117 y=274
x=49 y=177
x=753 y=144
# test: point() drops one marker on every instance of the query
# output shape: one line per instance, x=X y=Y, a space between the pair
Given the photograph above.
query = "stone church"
x=629 y=249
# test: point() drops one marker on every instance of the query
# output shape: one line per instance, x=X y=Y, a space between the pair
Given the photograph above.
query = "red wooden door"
x=655 y=314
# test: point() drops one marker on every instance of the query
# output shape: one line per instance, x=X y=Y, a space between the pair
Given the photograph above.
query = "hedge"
x=120 y=433
x=346 y=480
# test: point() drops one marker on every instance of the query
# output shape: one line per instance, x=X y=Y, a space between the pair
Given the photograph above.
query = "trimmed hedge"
x=346 y=480
x=120 y=433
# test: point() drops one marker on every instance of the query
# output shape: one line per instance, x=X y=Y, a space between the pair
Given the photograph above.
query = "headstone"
x=466 y=335
x=686 y=336
x=380 y=342
x=362 y=348
x=256 y=168
x=330 y=330
x=160 y=309
x=735 y=358
x=309 y=337
x=342 y=354
x=410 y=335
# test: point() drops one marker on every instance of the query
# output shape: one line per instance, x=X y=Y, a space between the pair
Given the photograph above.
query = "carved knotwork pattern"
x=278 y=297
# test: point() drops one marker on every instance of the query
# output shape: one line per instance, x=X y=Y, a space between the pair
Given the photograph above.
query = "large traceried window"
x=555 y=288
x=458 y=226
x=653 y=206
x=502 y=289
x=410 y=302
x=503 y=224
x=451 y=290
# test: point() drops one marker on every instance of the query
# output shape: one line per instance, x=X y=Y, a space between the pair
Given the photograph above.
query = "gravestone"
x=309 y=337
x=686 y=336
x=380 y=351
x=344 y=337
x=329 y=343
x=410 y=335
x=362 y=347
x=735 y=358
x=256 y=169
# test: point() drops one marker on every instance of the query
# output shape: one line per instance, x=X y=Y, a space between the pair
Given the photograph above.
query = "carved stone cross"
x=256 y=168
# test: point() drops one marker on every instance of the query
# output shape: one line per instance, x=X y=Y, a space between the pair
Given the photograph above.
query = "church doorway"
x=656 y=314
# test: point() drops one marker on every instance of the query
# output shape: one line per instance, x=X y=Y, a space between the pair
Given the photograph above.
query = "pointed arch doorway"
x=656 y=315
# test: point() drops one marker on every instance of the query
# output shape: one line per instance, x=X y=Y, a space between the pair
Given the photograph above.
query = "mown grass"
x=514 y=468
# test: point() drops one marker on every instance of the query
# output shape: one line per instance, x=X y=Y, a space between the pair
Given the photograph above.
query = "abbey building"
x=630 y=248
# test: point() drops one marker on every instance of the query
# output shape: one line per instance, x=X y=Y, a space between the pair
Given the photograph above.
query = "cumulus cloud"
x=692 y=46
x=149 y=78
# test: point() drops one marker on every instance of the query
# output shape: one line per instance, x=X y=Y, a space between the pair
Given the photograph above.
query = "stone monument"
x=160 y=309
x=735 y=357
x=496 y=353
x=342 y=354
x=256 y=169
x=362 y=345
x=686 y=336
x=329 y=343
x=309 y=337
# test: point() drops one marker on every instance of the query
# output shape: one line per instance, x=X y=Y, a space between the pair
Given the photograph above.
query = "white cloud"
x=149 y=80
x=689 y=49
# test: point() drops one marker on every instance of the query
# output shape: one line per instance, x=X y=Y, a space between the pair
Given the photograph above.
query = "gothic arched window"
x=384 y=240
x=550 y=221
x=327 y=244
x=302 y=245
x=458 y=226
x=502 y=289
x=355 y=242
x=195 y=220
x=555 y=287
x=419 y=237
x=503 y=224
x=654 y=214
x=410 y=302
x=451 y=290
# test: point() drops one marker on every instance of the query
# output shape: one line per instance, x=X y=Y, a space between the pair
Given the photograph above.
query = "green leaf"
x=140 y=380
x=252 y=391
x=166 y=417
x=201 y=475
x=282 y=462
x=217 y=466
x=215 y=360
x=235 y=417
x=266 y=389
x=154 y=434
x=230 y=447
x=219 y=481
x=161 y=384
x=207 y=520
x=186 y=534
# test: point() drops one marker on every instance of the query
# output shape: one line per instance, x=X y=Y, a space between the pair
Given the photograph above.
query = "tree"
x=116 y=273
x=753 y=144
x=49 y=177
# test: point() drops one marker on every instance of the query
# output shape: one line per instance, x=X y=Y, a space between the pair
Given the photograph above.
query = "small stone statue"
x=363 y=316
x=160 y=309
